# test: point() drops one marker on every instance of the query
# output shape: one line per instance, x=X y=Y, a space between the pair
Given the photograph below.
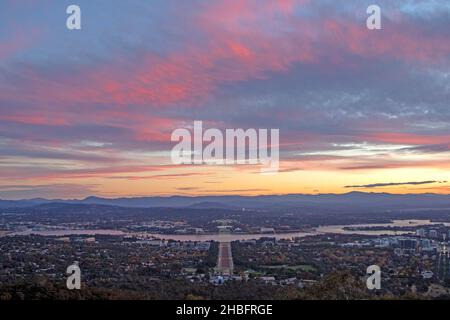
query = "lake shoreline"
x=229 y=237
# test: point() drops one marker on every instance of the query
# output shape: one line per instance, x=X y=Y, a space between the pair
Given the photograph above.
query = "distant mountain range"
x=350 y=200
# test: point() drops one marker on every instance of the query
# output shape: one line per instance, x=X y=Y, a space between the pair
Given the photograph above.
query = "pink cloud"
x=17 y=42
x=239 y=47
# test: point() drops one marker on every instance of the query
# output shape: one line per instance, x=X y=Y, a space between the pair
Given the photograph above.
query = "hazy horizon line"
x=223 y=195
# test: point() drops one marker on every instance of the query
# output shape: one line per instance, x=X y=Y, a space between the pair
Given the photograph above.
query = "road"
x=225 y=259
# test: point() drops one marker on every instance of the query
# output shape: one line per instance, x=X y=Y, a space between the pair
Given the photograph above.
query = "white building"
x=267 y=230
x=420 y=233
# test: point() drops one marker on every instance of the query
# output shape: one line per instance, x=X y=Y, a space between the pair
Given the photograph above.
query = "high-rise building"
x=407 y=243
x=420 y=233
x=443 y=263
x=433 y=233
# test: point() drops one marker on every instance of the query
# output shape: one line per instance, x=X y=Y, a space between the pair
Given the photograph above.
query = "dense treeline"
x=213 y=252
x=335 y=286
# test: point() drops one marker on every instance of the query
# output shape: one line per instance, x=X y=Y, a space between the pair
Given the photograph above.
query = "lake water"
x=331 y=229
x=340 y=229
x=232 y=237
x=62 y=233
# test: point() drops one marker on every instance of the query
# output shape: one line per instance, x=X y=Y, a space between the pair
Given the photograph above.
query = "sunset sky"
x=91 y=111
